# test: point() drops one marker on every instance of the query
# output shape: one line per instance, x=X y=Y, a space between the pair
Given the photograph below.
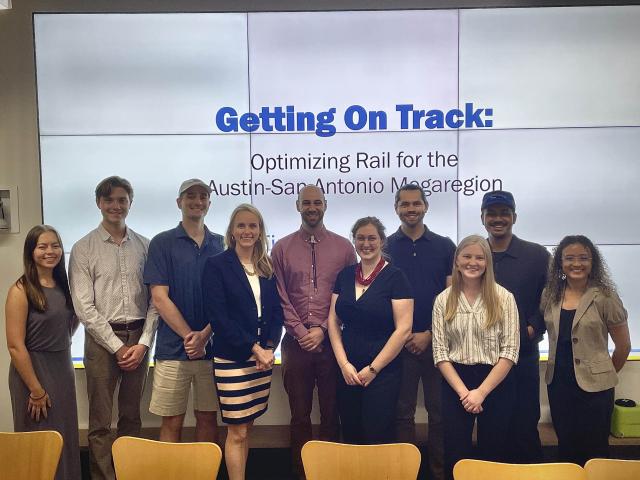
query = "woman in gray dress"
x=40 y=322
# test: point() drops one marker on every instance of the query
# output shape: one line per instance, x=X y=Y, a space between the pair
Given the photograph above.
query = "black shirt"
x=427 y=262
x=522 y=269
x=367 y=323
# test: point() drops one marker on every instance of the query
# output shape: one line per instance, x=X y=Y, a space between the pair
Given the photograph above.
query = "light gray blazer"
x=595 y=314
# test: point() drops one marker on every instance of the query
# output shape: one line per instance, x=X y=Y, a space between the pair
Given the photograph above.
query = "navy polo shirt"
x=176 y=260
x=522 y=269
x=427 y=262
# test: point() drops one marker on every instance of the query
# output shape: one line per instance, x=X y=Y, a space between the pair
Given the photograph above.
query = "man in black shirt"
x=426 y=258
x=520 y=267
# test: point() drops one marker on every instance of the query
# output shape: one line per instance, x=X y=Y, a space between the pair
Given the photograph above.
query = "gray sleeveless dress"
x=48 y=340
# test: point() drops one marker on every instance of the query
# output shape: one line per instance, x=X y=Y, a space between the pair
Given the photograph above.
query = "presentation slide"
x=543 y=102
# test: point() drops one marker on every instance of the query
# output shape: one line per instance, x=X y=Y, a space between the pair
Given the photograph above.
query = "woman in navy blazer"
x=242 y=305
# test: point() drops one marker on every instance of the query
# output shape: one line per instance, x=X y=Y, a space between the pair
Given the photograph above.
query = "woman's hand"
x=350 y=374
x=366 y=376
x=264 y=357
x=38 y=406
x=472 y=402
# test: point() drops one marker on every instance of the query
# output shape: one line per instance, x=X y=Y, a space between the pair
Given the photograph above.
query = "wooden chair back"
x=30 y=455
x=337 y=461
x=142 y=459
x=610 y=469
x=481 y=470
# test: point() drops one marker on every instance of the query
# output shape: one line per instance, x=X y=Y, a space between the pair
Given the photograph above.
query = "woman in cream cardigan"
x=581 y=310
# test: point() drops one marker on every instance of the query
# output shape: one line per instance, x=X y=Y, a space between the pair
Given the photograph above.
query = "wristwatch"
x=372 y=370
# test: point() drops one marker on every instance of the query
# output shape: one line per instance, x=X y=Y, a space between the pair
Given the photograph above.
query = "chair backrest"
x=337 y=461
x=609 y=469
x=30 y=455
x=141 y=459
x=481 y=470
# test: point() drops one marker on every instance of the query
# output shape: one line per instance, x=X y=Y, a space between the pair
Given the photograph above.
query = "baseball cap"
x=192 y=182
x=498 y=197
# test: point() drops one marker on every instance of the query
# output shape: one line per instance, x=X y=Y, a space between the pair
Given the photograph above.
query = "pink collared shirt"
x=305 y=294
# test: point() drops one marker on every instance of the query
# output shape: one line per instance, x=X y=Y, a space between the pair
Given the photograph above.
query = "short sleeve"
x=156 y=269
x=400 y=287
x=337 y=286
x=614 y=312
x=451 y=252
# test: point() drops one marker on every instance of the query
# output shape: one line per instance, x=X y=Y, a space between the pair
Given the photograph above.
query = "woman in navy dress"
x=40 y=323
x=369 y=322
x=242 y=305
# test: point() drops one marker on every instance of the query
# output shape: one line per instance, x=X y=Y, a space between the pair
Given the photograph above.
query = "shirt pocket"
x=602 y=365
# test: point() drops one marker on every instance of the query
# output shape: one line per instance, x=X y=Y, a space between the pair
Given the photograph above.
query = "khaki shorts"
x=172 y=380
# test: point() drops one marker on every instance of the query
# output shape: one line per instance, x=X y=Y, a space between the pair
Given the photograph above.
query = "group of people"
x=465 y=321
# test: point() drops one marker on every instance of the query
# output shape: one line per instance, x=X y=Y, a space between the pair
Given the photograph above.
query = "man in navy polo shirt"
x=183 y=348
x=427 y=260
x=520 y=267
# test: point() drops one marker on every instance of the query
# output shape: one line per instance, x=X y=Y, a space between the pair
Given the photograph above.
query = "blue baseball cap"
x=498 y=197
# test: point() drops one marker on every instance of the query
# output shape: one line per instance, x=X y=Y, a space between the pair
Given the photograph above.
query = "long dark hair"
x=30 y=280
x=599 y=276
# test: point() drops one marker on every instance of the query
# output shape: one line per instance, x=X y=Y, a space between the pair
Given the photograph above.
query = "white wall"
x=19 y=160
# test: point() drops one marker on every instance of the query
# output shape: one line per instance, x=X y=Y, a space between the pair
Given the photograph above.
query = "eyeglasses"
x=582 y=259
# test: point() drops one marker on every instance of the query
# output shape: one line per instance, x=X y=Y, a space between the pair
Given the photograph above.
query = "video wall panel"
x=544 y=102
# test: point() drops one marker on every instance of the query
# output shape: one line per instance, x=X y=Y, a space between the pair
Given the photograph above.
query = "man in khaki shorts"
x=183 y=348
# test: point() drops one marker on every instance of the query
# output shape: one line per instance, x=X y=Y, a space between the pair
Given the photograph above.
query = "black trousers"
x=582 y=420
x=524 y=440
x=368 y=414
x=493 y=422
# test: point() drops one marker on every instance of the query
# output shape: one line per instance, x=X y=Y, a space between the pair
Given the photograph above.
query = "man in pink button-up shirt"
x=306 y=264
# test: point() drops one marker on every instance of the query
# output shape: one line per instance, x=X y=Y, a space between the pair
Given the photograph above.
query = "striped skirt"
x=243 y=391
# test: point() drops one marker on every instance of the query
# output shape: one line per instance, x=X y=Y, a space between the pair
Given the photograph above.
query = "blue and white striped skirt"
x=243 y=390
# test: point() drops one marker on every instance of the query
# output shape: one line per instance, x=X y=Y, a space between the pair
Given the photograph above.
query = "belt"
x=128 y=327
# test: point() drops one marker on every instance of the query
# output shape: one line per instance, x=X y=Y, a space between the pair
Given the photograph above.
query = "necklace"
x=251 y=272
x=371 y=277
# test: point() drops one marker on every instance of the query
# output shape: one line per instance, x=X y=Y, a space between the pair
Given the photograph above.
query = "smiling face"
x=115 y=206
x=498 y=220
x=471 y=262
x=311 y=205
x=194 y=203
x=246 y=230
x=576 y=262
x=410 y=208
x=368 y=243
x=48 y=251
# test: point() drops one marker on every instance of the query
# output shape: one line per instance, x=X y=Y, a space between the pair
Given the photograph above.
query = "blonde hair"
x=488 y=290
x=260 y=259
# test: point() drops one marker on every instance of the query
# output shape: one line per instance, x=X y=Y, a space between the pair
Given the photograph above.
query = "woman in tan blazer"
x=581 y=310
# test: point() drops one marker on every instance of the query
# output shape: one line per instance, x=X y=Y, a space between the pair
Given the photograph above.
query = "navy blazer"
x=230 y=308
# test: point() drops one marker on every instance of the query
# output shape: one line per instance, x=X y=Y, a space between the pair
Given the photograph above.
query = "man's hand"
x=132 y=357
x=121 y=352
x=418 y=342
x=195 y=344
x=312 y=340
x=530 y=332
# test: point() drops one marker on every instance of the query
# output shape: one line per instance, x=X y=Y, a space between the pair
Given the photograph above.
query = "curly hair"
x=598 y=277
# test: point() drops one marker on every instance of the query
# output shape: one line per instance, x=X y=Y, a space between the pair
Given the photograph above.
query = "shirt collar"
x=514 y=248
x=426 y=235
x=182 y=233
x=320 y=235
x=104 y=235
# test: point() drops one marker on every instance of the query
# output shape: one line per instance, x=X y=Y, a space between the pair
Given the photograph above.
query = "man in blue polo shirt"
x=520 y=267
x=426 y=258
x=183 y=348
